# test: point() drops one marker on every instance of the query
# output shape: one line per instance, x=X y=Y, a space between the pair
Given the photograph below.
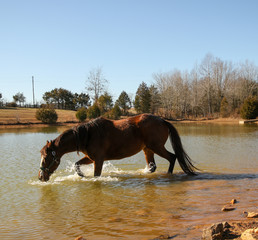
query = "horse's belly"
x=123 y=150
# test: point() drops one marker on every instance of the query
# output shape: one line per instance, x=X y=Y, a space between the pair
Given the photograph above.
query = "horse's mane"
x=82 y=132
x=95 y=125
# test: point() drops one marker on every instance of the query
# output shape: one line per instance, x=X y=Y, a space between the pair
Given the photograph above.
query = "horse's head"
x=49 y=161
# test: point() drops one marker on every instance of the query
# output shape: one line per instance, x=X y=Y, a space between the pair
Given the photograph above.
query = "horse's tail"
x=184 y=160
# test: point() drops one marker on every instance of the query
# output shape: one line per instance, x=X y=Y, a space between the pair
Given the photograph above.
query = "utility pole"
x=33 y=91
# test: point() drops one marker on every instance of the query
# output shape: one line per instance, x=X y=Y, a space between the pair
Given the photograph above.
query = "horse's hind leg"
x=162 y=152
x=149 y=155
x=83 y=161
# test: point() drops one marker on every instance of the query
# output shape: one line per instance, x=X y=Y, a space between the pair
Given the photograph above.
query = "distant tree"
x=19 y=97
x=11 y=104
x=116 y=112
x=62 y=98
x=52 y=97
x=1 y=102
x=96 y=83
x=142 y=99
x=137 y=104
x=155 y=100
x=165 y=85
x=105 y=103
x=66 y=98
x=82 y=99
x=93 y=111
x=81 y=114
x=124 y=102
x=206 y=73
x=249 y=109
x=224 y=111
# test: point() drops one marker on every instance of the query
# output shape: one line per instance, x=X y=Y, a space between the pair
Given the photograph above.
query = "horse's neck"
x=66 y=143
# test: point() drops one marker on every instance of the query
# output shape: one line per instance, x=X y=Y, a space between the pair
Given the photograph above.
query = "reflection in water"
x=51 y=129
x=222 y=130
x=127 y=202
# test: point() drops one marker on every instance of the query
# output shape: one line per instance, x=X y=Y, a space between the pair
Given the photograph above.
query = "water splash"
x=110 y=173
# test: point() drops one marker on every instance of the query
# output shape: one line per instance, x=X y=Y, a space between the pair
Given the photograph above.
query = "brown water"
x=127 y=202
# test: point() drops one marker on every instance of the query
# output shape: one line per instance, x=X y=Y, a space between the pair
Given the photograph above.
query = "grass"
x=27 y=115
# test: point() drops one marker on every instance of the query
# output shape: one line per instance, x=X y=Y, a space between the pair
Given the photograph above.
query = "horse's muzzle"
x=43 y=176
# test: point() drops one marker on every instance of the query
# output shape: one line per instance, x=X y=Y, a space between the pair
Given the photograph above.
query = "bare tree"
x=195 y=89
x=163 y=84
x=96 y=83
x=206 y=77
x=248 y=76
x=201 y=92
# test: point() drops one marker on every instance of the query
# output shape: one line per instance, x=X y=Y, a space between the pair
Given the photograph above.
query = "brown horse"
x=103 y=139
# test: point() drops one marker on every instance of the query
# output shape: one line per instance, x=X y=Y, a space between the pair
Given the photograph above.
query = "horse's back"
x=143 y=124
x=151 y=128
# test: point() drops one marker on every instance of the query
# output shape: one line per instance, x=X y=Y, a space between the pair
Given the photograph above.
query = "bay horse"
x=102 y=139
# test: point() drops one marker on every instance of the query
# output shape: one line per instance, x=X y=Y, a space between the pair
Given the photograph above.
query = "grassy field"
x=27 y=115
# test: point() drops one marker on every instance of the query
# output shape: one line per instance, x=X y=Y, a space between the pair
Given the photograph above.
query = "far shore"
x=25 y=118
x=29 y=124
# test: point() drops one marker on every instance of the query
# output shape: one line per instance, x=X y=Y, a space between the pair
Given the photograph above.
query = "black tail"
x=184 y=160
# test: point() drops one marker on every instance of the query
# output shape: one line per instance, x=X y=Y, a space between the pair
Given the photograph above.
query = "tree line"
x=211 y=89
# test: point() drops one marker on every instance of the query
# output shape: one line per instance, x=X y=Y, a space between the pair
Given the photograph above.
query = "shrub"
x=224 y=111
x=46 y=115
x=93 y=111
x=11 y=104
x=81 y=114
x=249 y=109
x=114 y=113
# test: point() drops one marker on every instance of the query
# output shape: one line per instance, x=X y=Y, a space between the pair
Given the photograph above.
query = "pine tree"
x=249 y=109
x=142 y=101
x=124 y=102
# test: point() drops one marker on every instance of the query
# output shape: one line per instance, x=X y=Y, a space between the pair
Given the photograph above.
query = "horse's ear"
x=49 y=143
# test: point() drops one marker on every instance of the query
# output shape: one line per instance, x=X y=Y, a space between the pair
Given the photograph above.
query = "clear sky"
x=60 y=41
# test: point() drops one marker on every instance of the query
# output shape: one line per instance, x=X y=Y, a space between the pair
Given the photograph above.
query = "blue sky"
x=60 y=41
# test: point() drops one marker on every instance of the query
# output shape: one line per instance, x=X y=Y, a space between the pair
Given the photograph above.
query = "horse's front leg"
x=98 y=164
x=83 y=161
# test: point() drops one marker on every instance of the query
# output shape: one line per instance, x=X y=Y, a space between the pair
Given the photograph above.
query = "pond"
x=127 y=202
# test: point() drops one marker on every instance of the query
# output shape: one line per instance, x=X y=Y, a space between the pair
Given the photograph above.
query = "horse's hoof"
x=152 y=167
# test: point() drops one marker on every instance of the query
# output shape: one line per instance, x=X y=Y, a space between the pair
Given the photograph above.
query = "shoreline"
x=35 y=124
x=28 y=124
x=25 y=117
